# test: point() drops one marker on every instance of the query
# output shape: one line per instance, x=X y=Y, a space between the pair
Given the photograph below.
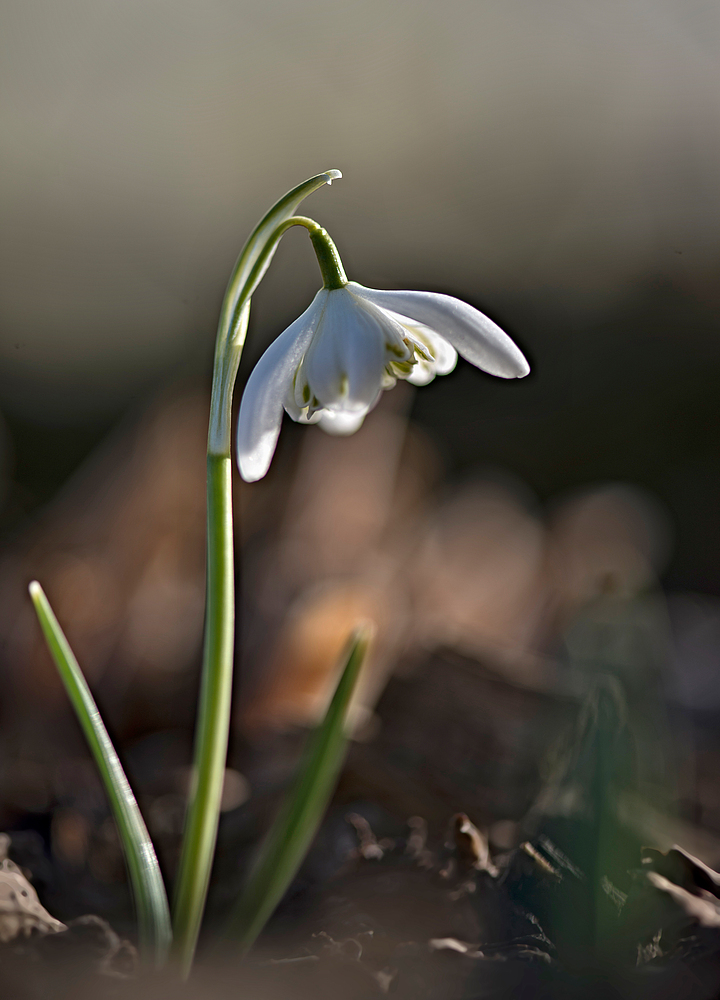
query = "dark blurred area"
x=556 y=165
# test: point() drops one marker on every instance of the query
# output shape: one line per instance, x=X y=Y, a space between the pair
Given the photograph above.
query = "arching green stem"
x=213 y=726
x=229 y=348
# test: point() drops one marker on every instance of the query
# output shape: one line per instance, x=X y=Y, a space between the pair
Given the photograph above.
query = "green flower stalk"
x=212 y=733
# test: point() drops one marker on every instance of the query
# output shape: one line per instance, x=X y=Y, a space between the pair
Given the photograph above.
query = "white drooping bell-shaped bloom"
x=332 y=363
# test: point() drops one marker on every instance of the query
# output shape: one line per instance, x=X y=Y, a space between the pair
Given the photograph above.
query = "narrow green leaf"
x=145 y=878
x=290 y=836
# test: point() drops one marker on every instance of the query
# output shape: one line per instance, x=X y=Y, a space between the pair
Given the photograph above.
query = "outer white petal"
x=471 y=333
x=345 y=362
x=341 y=422
x=261 y=408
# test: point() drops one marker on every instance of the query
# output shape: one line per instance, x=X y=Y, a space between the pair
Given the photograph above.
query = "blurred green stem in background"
x=145 y=878
x=212 y=732
x=290 y=836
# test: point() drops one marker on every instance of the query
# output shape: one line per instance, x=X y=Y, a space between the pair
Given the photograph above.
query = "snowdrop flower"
x=331 y=365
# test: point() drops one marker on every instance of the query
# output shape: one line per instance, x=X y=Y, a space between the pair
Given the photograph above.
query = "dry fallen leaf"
x=21 y=912
x=700 y=908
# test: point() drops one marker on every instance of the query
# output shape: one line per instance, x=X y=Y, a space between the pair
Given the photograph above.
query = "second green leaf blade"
x=290 y=836
x=145 y=878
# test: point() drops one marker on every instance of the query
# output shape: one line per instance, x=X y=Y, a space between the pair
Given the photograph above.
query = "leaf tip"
x=363 y=634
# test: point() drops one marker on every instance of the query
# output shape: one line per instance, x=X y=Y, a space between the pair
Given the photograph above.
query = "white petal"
x=471 y=333
x=341 y=422
x=261 y=408
x=345 y=361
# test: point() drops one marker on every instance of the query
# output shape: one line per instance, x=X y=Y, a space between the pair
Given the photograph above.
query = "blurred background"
x=554 y=164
